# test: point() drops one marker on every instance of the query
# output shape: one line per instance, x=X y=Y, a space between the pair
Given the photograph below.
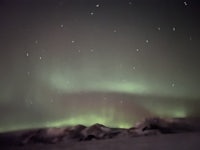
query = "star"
x=173 y=84
x=185 y=3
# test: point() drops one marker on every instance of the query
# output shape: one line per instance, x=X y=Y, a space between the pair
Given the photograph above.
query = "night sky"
x=67 y=62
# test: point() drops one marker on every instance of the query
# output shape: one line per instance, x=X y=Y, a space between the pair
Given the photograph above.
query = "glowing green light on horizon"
x=89 y=120
x=86 y=120
x=170 y=112
x=70 y=81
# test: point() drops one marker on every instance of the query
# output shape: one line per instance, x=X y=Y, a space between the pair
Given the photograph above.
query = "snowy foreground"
x=150 y=134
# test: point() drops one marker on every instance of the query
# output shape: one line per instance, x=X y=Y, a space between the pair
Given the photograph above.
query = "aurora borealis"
x=67 y=62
